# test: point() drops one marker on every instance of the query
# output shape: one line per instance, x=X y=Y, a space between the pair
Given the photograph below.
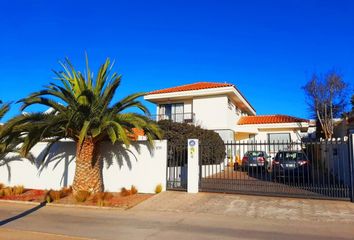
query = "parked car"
x=290 y=163
x=254 y=159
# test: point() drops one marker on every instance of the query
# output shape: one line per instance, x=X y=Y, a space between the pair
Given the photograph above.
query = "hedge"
x=212 y=148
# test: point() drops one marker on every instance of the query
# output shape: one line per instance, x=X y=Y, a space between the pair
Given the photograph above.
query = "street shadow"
x=23 y=214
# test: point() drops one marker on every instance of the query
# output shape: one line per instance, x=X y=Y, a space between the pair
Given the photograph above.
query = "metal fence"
x=311 y=169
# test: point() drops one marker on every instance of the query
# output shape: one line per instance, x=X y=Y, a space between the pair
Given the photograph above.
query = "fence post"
x=193 y=166
x=351 y=164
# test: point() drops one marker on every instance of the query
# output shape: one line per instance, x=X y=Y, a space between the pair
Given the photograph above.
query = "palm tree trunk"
x=88 y=172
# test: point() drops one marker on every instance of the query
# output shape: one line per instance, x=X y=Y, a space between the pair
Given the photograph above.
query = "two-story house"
x=223 y=108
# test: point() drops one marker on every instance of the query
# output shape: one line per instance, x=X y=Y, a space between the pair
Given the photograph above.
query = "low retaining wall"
x=139 y=165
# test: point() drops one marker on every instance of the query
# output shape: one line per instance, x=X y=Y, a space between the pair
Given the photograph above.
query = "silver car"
x=255 y=159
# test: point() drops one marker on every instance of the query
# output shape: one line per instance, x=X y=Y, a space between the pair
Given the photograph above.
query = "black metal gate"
x=312 y=169
x=177 y=167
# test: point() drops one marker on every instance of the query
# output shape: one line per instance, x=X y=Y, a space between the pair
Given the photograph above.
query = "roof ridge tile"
x=270 y=119
x=192 y=86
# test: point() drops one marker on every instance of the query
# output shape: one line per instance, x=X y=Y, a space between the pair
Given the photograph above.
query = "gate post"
x=193 y=166
x=351 y=164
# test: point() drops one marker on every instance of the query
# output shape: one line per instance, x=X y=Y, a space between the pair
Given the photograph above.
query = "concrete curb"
x=19 y=202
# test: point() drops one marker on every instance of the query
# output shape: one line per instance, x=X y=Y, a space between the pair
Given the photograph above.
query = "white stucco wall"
x=214 y=113
x=226 y=135
x=140 y=166
x=210 y=112
x=232 y=115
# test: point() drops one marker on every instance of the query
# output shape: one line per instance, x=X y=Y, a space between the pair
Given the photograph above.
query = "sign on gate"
x=193 y=166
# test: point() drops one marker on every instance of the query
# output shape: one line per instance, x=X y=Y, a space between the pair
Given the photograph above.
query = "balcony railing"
x=175 y=117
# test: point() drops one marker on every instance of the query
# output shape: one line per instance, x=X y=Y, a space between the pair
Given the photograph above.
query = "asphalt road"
x=165 y=218
x=18 y=221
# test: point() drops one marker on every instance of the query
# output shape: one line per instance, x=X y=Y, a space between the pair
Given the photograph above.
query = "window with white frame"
x=173 y=111
x=279 y=142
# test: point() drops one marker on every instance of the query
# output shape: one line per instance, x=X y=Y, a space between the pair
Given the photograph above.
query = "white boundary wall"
x=139 y=165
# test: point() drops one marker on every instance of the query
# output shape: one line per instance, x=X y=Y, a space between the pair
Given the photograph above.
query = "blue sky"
x=268 y=49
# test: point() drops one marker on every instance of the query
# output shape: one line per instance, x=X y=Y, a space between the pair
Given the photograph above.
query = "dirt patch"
x=116 y=199
x=29 y=195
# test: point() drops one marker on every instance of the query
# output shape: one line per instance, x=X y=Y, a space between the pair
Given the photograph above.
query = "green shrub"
x=125 y=192
x=101 y=203
x=55 y=195
x=48 y=199
x=66 y=191
x=101 y=198
x=158 y=188
x=8 y=191
x=18 y=190
x=82 y=196
x=2 y=193
x=133 y=190
x=211 y=145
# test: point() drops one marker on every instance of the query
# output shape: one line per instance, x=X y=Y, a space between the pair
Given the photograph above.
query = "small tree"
x=351 y=114
x=326 y=98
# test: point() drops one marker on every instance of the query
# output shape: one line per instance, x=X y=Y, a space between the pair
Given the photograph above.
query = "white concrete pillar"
x=193 y=166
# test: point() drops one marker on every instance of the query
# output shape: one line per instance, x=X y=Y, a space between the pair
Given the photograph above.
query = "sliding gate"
x=318 y=169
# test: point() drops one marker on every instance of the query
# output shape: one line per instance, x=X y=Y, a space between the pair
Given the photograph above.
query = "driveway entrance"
x=321 y=169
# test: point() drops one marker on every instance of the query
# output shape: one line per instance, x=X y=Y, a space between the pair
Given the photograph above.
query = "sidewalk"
x=178 y=215
x=294 y=209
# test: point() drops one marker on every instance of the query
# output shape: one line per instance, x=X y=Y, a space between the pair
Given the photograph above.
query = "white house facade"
x=222 y=107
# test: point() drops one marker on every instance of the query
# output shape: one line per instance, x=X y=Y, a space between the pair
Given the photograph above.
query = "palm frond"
x=82 y=109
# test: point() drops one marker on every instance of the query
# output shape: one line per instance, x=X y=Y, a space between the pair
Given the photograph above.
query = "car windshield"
x=256 y=154
x=290 y=156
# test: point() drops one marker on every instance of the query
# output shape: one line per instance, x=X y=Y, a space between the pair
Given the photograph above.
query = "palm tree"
x=82 y=109
x=9 y=144
x=6 y=146
x=4 y=108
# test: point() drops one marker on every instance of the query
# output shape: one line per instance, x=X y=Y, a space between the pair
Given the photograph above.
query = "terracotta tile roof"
x=191 y=87
x=268 y=119
x=136 y=134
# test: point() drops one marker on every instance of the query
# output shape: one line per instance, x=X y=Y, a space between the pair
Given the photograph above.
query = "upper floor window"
x=174 y=112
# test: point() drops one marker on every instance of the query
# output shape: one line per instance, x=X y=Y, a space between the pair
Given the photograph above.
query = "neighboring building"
x=343 y=126
x=222 y=107
x=271 y=128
